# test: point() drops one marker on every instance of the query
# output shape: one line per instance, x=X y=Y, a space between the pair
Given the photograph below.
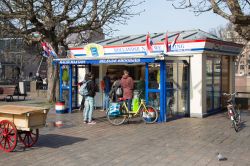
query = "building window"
x=213 y=83
x=242 y=67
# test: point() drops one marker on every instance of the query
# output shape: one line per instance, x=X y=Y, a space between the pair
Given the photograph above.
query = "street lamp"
x=1 y=70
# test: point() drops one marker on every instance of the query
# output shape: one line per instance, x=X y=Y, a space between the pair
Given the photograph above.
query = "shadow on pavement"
x=56 y=141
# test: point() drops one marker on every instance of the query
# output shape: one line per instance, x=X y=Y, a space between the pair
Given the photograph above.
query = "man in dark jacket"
x=89 y=99
x=107 y=88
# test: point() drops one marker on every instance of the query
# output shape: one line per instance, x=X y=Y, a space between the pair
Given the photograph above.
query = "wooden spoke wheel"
x=8 y=136
x=28 y=138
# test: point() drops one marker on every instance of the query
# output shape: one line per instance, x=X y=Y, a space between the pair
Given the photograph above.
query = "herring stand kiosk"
x=187 y=81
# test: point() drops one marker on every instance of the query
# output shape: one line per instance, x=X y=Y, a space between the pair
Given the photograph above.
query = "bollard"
x=60 y=107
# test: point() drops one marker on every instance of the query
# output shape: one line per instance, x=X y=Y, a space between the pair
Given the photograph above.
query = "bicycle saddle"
x=121 y=99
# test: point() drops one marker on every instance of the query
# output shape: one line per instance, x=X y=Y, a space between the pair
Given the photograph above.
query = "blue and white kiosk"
x=187 y=81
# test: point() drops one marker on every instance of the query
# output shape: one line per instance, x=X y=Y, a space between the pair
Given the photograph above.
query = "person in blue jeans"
x=107 y=88
x=89 y=99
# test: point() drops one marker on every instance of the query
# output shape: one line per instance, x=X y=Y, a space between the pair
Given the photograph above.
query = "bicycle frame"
x=233 y=113
x=142 y=105
x=148 y=113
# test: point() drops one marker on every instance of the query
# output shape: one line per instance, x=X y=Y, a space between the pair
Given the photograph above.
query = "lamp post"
x=1 y=70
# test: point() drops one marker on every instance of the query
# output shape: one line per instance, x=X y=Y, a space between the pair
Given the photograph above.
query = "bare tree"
x=235 y=11
x=228 y=33
x=58 y=19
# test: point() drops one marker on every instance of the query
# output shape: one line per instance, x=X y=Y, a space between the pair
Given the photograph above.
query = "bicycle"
x=119 y=115
x=233 y=112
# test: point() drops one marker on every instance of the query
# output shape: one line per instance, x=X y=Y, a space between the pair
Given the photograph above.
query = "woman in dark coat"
x=127 y=84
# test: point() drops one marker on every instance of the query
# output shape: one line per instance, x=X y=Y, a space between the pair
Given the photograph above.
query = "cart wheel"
x=28 y=138
x=8 y=136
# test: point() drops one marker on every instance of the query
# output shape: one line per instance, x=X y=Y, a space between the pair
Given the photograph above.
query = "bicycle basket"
x=114 y=109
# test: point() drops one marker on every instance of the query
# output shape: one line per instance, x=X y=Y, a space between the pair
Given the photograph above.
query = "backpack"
x=83 y=91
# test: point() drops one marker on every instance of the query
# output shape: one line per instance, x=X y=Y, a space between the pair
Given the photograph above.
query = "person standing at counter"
x=127 y=84
x=106 y=89
x=89 y=99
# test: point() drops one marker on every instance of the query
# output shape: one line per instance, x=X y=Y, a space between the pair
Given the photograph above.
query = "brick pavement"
x=187 y=141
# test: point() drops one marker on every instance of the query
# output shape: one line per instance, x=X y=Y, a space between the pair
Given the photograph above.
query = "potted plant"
x=65 y=76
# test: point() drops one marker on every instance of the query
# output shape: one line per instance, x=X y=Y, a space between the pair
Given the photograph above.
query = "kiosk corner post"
x=162 y=117
x=76 y=88
x=146 y=82
x=70 y=88
x=60 y=82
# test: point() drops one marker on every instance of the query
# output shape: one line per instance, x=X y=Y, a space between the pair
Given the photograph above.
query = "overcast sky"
x=160 y=16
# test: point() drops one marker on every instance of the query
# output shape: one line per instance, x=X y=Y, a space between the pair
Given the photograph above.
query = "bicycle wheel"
x=237 y=116
x=235 y=125
x=117 y=117
x=149 y=115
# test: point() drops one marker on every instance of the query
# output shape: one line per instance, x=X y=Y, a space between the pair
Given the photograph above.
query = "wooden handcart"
x=20 y=123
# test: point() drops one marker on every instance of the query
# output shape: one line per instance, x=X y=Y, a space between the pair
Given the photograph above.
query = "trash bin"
x=60 y=107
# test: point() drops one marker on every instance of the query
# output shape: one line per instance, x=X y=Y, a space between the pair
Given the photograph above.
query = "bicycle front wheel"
x=118 y=117
x=149 y=114
x=237 y=116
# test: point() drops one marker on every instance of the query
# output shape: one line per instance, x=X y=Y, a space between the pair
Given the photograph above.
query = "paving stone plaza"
x=186 y=141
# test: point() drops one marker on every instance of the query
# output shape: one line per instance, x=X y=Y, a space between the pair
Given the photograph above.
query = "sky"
x=160 y=16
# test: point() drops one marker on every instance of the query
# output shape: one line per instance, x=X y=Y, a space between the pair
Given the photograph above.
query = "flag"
x=48 y=50
x=51 y=51
x=175 y=39
x=149 y=43
x=166 y=48
x=45 y=49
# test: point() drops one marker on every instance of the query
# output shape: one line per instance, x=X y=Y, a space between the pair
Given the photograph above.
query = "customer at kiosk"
x=106 y=89
x=112 y=94
x=89 y=99
x=127 y=84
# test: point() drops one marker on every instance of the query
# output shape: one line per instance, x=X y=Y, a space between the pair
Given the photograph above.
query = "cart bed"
x=24 y=117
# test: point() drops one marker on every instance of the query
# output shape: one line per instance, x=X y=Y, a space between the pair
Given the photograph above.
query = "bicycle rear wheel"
x=235 y=125
x=149 y=115
x=237 y=120
x=117 y=118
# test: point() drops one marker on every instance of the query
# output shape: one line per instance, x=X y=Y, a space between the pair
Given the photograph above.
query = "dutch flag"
x=48 y=50
x=166 y=48
x=45 y=49
x=175 y=39
x=149 y=43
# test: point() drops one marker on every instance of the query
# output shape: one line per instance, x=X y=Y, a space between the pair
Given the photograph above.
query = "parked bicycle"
x=233 y=111
x=120 y=113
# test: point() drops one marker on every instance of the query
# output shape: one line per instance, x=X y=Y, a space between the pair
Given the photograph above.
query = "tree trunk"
x=53 y=75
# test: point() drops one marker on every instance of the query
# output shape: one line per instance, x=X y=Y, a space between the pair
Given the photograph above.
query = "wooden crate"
x=24 y=117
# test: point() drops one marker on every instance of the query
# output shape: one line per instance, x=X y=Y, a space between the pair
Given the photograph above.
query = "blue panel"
x=154 y=90
x=76 y=88
x=146 y=82
x=162 y=101
x=162 y=93
x=60 y=82
x=70 y=88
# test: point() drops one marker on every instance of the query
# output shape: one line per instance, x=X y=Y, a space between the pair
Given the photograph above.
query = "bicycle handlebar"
x=230 y=94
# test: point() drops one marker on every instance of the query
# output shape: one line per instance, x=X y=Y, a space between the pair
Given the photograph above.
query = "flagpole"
x=39 y=65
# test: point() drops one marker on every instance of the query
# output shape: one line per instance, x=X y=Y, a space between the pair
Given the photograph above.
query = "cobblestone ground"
x=186 y=141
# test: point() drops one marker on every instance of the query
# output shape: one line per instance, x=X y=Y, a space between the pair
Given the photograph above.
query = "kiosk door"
x=177 y=88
